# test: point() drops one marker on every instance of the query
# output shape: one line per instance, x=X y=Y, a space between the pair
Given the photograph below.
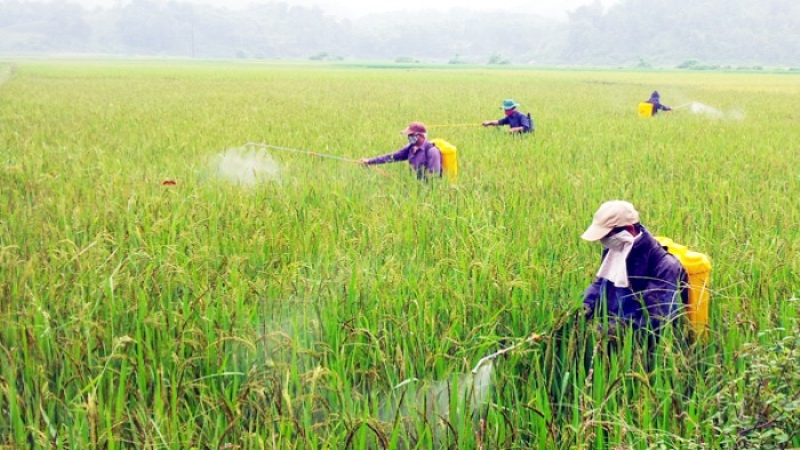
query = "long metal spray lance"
x=452 y=125
x=533 y=338
x=294 y=150
x=682 y=106
x=309 y=152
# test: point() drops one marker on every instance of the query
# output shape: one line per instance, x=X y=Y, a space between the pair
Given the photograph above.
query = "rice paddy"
x=163 y=286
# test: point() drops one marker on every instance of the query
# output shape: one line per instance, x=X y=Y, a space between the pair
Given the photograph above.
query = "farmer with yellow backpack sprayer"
x=652 y=106
x=427 y=158
x=643 y=282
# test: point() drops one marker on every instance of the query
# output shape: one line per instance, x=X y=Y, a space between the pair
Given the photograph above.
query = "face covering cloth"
x=613 y=267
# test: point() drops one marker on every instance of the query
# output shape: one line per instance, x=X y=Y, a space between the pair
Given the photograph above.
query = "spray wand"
x=294 y=150
x=533 y=338
x=453 y=125
x=308 y=152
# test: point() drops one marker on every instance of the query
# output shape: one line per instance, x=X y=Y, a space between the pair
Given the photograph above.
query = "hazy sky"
x=358 y=8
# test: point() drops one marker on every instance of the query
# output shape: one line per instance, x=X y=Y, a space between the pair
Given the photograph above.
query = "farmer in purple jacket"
x=639 y=283
x=425 y=159
x=516 y=121
x=655 y=100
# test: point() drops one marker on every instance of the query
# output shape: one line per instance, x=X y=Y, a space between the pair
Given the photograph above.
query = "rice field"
x=164 y=286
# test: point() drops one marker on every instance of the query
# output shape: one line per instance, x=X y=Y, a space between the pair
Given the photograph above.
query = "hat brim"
x=406 y=132
x=595 y=233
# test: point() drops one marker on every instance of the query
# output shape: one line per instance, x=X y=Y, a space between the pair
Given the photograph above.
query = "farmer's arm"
x=590 y=297
x=400 y=155
x=593 y=293
x=492 y=123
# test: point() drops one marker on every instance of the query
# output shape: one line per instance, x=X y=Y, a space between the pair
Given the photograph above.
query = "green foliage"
x=761 y=408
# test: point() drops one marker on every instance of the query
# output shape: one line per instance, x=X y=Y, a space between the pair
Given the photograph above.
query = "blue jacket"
x=657 y=105
x=517 y=119
x=657 y=289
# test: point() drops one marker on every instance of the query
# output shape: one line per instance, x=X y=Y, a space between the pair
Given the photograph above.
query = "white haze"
x=703 y=109
x=245 y=167
x=351 y=9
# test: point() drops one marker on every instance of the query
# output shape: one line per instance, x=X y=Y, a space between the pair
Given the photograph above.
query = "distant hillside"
x=686 y=33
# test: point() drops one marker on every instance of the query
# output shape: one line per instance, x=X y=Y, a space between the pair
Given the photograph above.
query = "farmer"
x=639 y=283
x=425 y=159
x=655 y=101
x=517 y=121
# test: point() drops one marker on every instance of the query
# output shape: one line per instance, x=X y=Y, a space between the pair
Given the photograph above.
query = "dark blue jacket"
x=517 y=119
x=657 y=289
x=657 y=105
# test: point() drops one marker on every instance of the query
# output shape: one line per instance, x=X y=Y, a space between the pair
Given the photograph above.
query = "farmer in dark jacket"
x=639 y=283
x=655 y=100
x=517 y=121
x=425 y=159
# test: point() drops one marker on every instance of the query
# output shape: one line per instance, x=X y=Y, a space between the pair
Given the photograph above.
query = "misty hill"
x=633 y=32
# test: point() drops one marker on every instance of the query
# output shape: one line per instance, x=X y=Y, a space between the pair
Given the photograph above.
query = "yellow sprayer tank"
x=698 y=267
x=645 y=109
x=449 y=157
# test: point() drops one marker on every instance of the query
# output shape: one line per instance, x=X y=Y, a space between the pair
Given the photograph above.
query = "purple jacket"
x=657 y=288
x=424 y=160
x=657 y=106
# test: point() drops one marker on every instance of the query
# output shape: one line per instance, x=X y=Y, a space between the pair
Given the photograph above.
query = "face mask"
x=509 y=112
x=617 y=241
x=412 y=139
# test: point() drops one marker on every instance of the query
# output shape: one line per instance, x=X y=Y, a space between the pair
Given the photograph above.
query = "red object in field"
x=169 y=183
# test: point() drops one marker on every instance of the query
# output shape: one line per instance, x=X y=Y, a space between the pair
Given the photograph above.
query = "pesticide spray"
x=462 y=399
x=706 y=110
x=251 y=164
x=246 y=167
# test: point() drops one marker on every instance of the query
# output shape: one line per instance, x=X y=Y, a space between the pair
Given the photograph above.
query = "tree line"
x=683 y=33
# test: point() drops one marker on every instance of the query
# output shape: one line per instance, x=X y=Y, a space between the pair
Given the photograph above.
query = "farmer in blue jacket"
x=655 y=100
x=517 y=121
x=639 y=283
x=423 y=157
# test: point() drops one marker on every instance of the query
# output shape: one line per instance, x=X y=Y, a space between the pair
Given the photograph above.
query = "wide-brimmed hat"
x=509 y=103
x=610 y=215
x=414 y=128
